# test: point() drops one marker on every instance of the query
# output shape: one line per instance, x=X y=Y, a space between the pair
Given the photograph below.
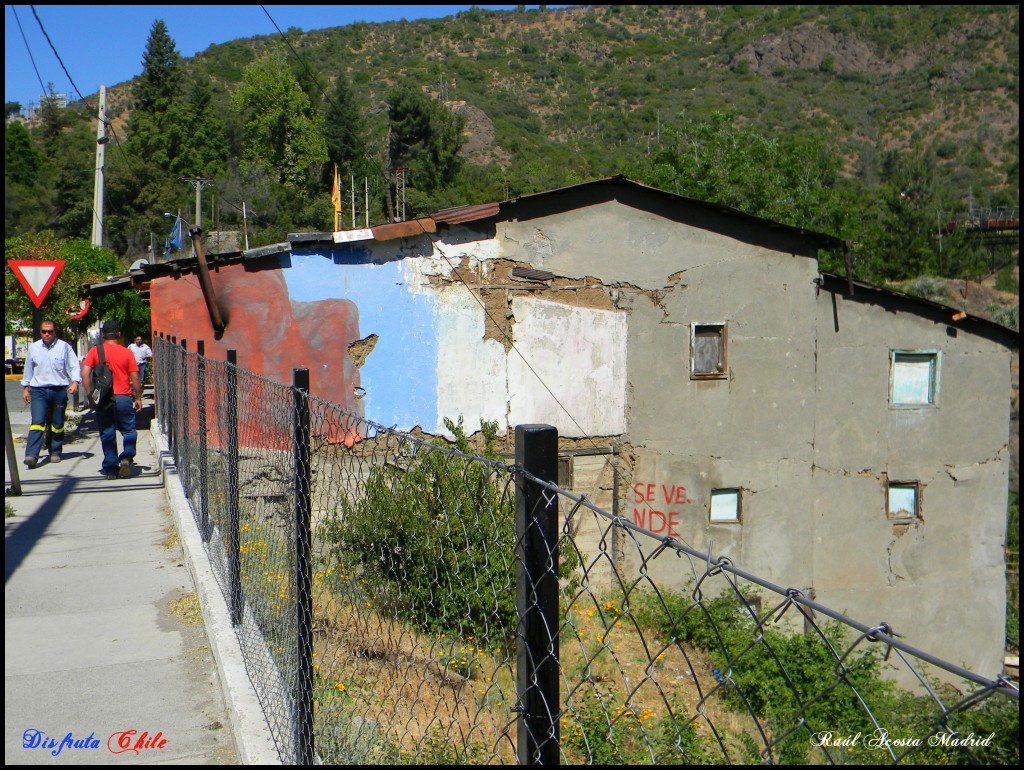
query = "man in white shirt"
x=143 y=353
x=52 y=372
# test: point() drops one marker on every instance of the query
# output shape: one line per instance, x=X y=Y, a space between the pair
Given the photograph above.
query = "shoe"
x=31 y=462
x=110 y=476
x=55 y=458
x=124 y=470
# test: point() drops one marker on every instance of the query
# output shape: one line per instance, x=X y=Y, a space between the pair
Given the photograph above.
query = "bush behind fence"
x=406 y=600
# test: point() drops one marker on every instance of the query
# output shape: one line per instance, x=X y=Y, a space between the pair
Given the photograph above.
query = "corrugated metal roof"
x=404 y=229
x=460 y=214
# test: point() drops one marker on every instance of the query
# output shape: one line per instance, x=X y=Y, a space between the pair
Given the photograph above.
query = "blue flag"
x=173 y=242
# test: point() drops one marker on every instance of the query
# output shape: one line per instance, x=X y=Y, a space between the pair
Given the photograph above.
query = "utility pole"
x=400 y=194
x=97 y=193
x=197 y=182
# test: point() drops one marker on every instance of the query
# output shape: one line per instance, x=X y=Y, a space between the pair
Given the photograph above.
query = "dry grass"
x=186 y=609
x=435 y=698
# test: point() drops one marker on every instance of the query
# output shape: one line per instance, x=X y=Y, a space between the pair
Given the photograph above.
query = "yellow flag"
x=336 y=197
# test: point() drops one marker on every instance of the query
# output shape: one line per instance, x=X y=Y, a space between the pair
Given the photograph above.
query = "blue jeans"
x=43 y=398
x=142 y=372
x=120 y=416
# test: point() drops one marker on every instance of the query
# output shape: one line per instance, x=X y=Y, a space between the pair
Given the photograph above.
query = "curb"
x=252 y=735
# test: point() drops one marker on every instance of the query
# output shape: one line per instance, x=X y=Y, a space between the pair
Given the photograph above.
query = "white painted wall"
x=471 y=370
x=580 y=355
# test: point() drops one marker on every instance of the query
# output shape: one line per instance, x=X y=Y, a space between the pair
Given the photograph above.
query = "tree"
x=281 y=133
x=793 y=180
x=721 y=160
x=85 y=263
x=425 y=138
x=24 y=173
x=343 y=129
x=160 y=82
x=156 y=129
x=22 y=161
x=204 y=148
x=11 y=109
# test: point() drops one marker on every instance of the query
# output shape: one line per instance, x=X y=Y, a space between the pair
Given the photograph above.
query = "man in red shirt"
x=119 y=414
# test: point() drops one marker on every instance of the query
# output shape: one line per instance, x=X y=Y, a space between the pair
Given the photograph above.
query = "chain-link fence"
x=407 y=600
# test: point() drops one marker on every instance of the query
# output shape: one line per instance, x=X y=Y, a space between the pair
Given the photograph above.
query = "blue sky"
x=103 y=44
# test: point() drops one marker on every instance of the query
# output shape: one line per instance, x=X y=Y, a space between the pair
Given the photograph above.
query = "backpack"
x=102 y=393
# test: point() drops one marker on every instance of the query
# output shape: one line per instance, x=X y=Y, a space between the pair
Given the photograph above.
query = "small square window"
x=565 y=468
x=914 y=378
x=902 y=501
x=725 y=505
x=708 y=351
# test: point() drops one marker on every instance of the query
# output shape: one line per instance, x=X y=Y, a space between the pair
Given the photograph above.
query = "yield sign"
x=36 y=276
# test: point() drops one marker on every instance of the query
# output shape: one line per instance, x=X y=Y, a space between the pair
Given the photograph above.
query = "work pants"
x=52 y=399
x=119 y=416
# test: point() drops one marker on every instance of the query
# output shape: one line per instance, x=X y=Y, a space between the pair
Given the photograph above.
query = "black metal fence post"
x=204 y=492
x=233 y=543
x=537 y=596
x=303 y=573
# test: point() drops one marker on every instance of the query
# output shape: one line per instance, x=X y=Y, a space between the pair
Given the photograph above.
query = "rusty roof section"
x=459 y=214
x=405 y=229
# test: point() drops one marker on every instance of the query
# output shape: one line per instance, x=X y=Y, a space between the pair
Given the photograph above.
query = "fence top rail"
x=882 y=632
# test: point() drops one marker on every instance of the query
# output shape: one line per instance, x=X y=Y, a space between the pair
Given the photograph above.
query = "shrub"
x=1007 y=281
x=1007 y=316
x=776 y=676
x=932 y=289
x=436 y=540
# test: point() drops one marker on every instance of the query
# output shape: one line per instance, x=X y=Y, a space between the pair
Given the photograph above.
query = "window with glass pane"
x=902 y=501
x=914 y=377
x=708 y=359
x=725 y=505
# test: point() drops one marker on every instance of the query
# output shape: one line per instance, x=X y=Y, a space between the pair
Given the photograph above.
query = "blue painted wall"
x=400 y=375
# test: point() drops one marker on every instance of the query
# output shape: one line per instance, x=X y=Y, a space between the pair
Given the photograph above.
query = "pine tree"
x=161 y=77
x=204 y=149
x=343 y=129
x=425 y=138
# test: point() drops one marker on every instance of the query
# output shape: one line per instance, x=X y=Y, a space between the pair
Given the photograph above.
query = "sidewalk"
x=104 y=632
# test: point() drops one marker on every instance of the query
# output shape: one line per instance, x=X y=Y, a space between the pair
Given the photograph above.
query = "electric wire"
x=28 y=49
x=59 y=60
x=583 y=433
x=373 y=161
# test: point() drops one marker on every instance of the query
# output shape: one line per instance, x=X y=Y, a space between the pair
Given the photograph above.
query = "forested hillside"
x=873 y=123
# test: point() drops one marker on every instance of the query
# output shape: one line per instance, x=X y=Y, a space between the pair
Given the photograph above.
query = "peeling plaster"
x=360 y=349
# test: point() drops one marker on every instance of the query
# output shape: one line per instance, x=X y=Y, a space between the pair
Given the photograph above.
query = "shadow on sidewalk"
x=19 y=540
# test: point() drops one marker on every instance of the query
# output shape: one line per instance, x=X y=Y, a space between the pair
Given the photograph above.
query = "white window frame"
x=738 y=507
x=900 y=517
x=935 y=361
x=723 y=372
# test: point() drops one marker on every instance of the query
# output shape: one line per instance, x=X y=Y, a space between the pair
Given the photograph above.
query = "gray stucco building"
x=707 y=381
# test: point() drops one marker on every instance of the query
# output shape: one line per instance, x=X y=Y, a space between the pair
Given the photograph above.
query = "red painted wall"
x=271 y=334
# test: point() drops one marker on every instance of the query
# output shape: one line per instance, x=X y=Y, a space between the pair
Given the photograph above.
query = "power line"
x=59 y=60
x=28 y=48
x=316 y=80
x=511 y=342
